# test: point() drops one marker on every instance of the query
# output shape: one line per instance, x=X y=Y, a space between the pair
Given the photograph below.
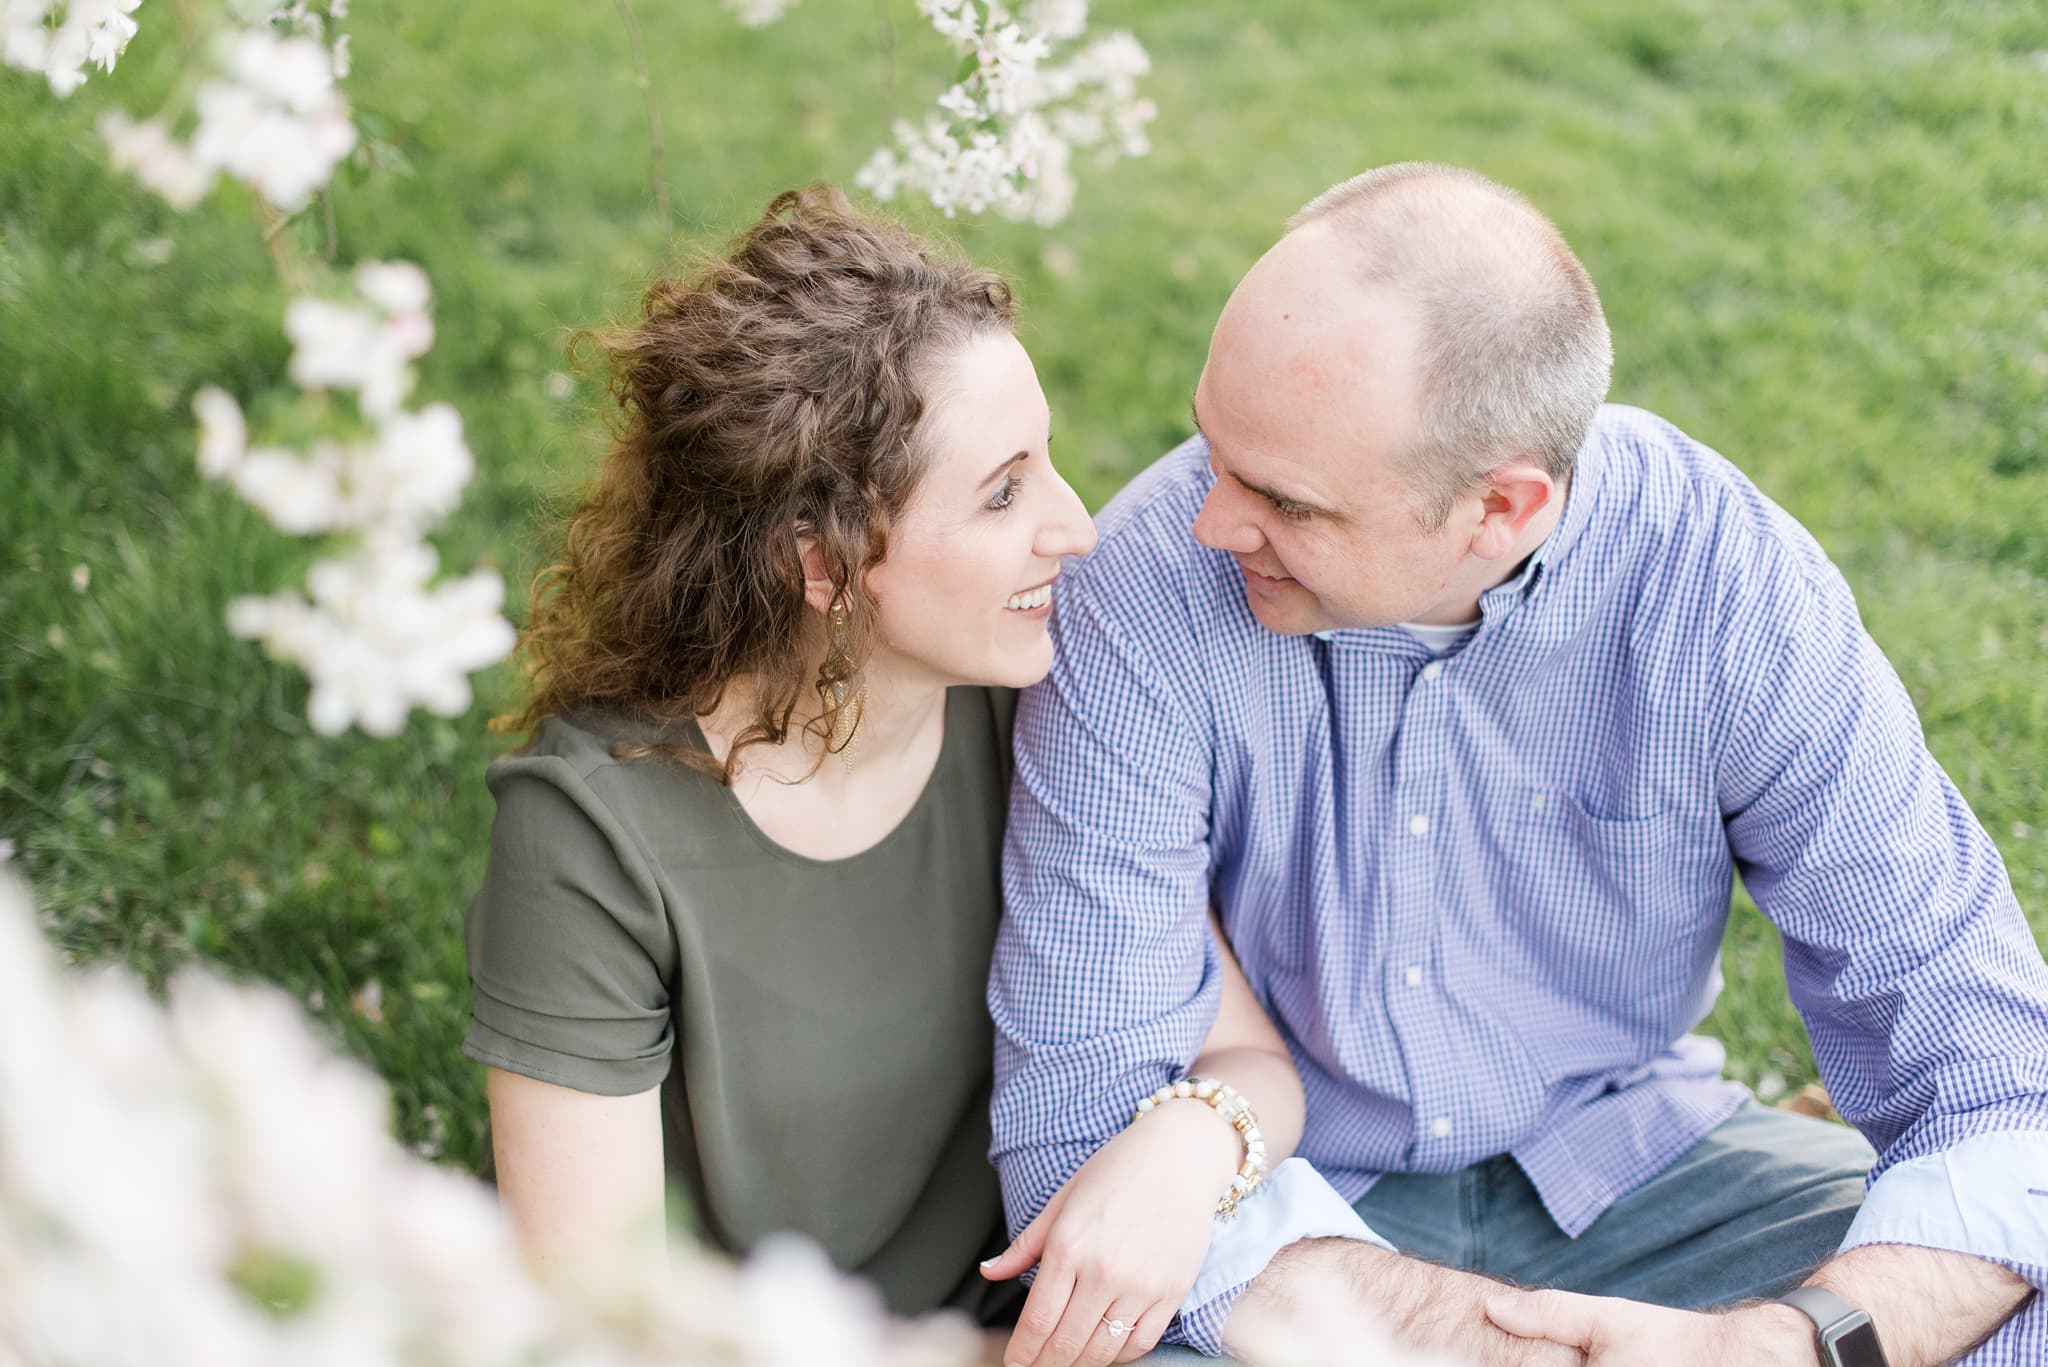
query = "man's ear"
x=1509 y=501
x=818 y=588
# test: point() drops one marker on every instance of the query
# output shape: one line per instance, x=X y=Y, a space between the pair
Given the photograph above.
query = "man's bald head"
x=1514 y=356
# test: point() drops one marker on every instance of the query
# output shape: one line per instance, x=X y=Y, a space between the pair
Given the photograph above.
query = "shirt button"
x=1536 y=802
x=1418 y=824
x=1440 y=1126
x=1414 y=975
x=1432 y=669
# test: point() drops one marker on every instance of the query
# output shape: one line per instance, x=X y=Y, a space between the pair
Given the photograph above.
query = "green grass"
x=1821 y=233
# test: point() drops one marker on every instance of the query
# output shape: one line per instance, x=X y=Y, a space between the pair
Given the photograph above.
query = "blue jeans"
x=1748 y=1211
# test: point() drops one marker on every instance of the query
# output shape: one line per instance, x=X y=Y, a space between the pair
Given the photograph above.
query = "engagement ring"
x=1117 y=1328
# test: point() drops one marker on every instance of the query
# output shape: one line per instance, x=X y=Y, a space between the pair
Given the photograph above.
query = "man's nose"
x=1222 y=526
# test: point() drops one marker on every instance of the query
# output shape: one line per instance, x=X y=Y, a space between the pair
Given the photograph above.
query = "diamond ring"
x=1117 y=1328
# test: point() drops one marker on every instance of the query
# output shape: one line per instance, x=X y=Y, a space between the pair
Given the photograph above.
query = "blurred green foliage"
x=1821 y=232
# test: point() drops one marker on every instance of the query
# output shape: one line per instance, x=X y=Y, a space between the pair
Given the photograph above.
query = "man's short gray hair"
x=1515 y=355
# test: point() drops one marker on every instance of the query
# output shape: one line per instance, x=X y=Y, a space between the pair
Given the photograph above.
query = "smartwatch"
x=1845 y=1334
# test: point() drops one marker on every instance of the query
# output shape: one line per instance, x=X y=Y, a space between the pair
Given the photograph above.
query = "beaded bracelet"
x=1232 y=1107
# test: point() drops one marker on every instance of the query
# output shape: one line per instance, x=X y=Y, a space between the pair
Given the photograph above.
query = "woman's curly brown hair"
x=775 y=392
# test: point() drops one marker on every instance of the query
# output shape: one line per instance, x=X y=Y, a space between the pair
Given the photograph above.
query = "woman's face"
x=966 y=589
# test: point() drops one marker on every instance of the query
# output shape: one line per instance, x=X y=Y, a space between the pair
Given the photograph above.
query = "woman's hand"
x=1123 y=1240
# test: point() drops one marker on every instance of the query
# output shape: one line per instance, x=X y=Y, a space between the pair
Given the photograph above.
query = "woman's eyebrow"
x=1002 y=468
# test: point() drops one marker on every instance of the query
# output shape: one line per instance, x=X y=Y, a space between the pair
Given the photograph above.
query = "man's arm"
x=1105 y=976
x=1977 y=1297
x=1906 y=954
x=1422 y=1305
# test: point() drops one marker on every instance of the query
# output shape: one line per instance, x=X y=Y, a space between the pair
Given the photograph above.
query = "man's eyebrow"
x=1278 y=497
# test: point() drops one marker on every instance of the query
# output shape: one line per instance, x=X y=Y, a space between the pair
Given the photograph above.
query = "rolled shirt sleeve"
x=1906 y=953
x=1105 y=978
x=1293 y=1204
x=567 y=940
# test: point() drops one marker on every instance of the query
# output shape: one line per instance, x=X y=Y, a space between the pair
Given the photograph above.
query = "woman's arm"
x=1244 y=1049
x=579 y=1174
x=1126 y=1236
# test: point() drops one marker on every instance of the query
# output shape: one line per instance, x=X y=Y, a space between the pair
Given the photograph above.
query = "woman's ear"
x=818 y=587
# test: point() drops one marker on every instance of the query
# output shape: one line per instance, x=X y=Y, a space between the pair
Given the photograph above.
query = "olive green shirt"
x=817 y=1027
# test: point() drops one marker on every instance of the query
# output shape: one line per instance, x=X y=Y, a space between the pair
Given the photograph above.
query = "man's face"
x=1310 y=402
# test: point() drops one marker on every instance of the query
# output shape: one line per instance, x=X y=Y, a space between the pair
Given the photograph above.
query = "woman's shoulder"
x=599 y=759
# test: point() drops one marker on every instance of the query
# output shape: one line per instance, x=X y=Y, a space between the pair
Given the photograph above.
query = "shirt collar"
x=1589 y=467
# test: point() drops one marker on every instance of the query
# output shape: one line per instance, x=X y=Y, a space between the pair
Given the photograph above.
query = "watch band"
x=1844 y=1334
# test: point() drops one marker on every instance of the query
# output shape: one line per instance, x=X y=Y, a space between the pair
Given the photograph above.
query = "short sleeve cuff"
x=1295 y=1203
x=589 y=1056
x=1987 y=1196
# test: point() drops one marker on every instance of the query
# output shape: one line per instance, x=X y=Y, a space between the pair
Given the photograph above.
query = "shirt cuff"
x=1294 y=1203
x=1986 y=1196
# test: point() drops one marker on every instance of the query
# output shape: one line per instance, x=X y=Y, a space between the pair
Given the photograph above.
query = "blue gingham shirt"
x=1483 y=894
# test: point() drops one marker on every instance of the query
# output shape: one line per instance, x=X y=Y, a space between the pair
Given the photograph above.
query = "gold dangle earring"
x=848 y=697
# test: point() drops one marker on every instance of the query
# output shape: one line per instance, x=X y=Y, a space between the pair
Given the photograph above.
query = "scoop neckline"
x=745 y=819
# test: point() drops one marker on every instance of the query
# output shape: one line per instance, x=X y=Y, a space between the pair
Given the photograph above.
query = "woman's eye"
x=1007 y=494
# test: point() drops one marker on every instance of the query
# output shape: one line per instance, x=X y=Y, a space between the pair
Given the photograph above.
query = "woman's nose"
x=1070 y=531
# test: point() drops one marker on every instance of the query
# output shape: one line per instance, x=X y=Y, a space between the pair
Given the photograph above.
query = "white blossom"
x=276 y=120
x=375 y=637
x=270 y=115
x=163 y=1167
x=301 y=495
x=1060 y=19
x=223 y=432
x=401 y=482
x=342 y=346
x=397 y=287
x=376 y=641
x=60 y=38
x=157 y=159
x=1003 y=137
x=759 y=13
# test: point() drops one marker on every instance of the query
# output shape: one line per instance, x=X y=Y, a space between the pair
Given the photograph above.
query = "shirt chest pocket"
x=1626 y=911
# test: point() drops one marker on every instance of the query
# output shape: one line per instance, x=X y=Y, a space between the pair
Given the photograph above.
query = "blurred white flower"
x=954 y=19
x=154 y=157
x=376 y=641
x=301 y=495
x=60 y=38
x=373 y=637
x=277 y=121
x=1060 y=19
x=341 y=346
x=204 y=1184
x=397 y=287
x=271 y=116
x=757 y=13
x=1003 y=137
x=223 y=432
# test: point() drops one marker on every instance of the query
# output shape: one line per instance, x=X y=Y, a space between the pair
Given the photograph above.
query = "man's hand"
x=1422 y=1305
x=1621 y=1333
x=1930 y=1306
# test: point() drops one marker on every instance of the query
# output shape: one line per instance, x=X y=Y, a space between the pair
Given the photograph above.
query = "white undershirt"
x=1439 y=639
